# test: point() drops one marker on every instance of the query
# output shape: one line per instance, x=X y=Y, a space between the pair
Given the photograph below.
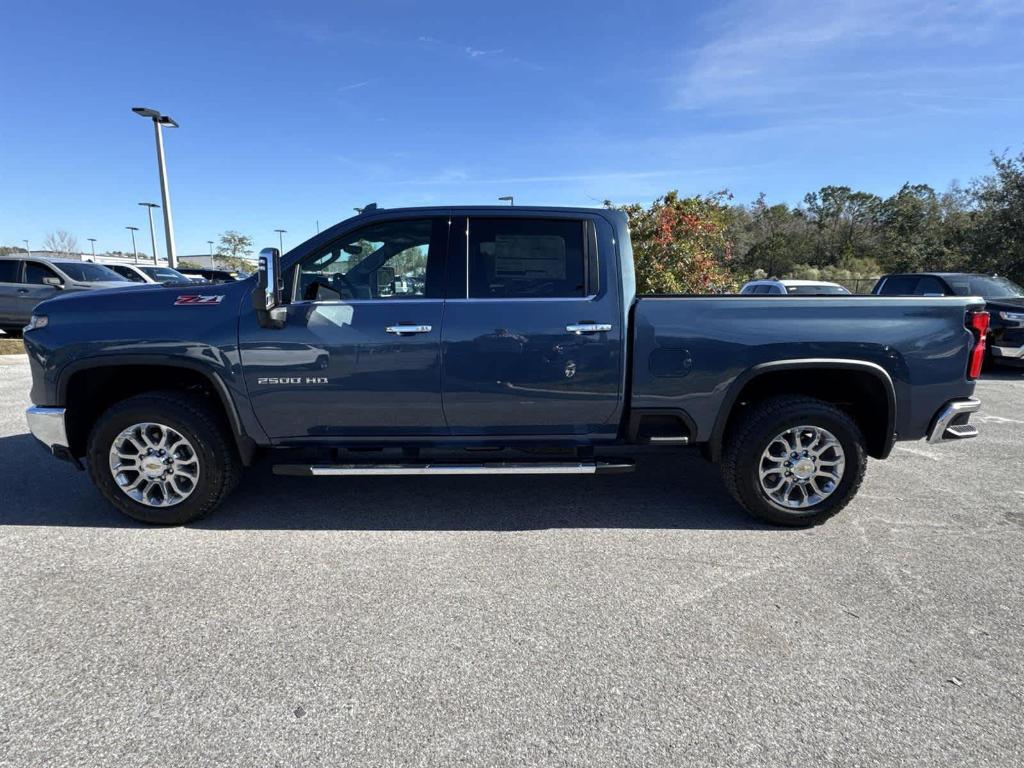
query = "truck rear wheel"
x=163 y=457
x=794 y=460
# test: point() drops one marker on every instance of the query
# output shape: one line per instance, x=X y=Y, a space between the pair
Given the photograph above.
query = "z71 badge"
x=198 y=299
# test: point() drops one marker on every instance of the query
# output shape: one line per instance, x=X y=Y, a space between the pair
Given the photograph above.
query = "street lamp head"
x=147 y=112
x=170 y=122
x=507 y=199
x=150 y=205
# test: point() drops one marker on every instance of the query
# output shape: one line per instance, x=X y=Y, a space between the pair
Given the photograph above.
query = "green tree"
x=996 y=239
x=846 y=223
x=234 y=252
x=680 y=244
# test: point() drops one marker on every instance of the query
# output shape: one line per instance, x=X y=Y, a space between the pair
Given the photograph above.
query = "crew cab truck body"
x=399 y=338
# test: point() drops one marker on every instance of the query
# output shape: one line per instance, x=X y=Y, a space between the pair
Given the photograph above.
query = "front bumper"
x=950 y=423
x=47 y=425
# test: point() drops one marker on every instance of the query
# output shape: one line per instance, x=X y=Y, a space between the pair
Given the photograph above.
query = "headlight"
x=37 y=321
x=1012 y=317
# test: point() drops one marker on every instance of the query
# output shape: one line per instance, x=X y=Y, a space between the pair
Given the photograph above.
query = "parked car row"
x=25 y=281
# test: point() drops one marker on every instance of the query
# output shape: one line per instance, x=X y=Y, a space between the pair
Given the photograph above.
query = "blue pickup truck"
x=416 y=341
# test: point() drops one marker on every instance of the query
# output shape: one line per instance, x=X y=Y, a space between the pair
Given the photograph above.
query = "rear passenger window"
x=526 y=258
x=9 y=270
x=901 y=285
x=929 y=286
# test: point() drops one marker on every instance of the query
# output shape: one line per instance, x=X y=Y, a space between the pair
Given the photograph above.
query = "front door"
x=532 y=333
x=40 y=283
x=360 y=351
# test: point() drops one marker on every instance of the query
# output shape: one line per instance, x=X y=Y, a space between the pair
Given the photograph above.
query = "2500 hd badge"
x=292 y=380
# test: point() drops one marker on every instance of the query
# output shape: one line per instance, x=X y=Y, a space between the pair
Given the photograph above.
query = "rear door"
x=532 y=339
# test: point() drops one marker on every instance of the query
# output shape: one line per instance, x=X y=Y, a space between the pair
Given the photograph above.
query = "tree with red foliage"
x=680 y=245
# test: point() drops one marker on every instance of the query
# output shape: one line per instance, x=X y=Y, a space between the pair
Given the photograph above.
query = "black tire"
x=192 y=417
x=741 y=458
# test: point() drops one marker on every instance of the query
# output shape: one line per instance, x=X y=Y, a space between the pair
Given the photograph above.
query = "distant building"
x=206 y=261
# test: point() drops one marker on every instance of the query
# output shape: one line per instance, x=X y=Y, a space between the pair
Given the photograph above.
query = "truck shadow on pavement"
x=681 y=491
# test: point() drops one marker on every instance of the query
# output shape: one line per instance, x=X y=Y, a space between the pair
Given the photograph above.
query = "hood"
x=130 y=297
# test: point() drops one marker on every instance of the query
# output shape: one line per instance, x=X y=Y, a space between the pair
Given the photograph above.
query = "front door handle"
x=401 y=330
x=580 y=328
x=23 y=290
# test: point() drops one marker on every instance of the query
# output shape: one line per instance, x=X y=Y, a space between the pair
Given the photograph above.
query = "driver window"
x=35 y=272
x=382 y=261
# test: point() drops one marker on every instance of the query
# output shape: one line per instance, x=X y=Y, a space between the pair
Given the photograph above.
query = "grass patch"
x=11 y=346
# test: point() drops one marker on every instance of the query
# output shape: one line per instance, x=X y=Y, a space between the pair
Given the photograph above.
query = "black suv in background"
x=1004 y=301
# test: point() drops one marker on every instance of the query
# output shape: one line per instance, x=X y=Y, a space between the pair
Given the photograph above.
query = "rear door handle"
x=579 y=328
x=401 y=330
x=23 y=290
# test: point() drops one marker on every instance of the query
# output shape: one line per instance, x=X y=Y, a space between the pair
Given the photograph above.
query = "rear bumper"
x=951 y=422
x=47 y=425
x=1007 y=352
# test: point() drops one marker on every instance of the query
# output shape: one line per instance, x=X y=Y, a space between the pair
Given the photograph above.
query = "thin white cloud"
x=763 y=50
x=353 y=86
x=474 y=53
x=452 y=176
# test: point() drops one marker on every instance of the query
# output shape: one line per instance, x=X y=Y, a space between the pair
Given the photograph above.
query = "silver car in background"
x=25 y=281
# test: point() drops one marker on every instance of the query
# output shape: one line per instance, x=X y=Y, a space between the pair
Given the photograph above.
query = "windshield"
x=984 y=286
x=817 y=290
x=165 y=274
x=87 y=272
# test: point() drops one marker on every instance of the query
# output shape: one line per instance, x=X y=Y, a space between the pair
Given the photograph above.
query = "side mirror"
x=56 y=282
x=266 y=297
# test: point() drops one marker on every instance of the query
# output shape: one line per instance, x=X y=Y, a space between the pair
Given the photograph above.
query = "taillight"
x=977 y=322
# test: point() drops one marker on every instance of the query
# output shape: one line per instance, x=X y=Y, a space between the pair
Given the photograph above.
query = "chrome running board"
x=495 y=468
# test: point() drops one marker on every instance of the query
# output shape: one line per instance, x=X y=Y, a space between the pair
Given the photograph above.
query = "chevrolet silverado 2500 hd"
x=415 y=341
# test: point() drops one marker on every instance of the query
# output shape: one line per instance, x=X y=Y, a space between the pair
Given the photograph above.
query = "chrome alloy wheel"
x=154 y=465
x=801 y=467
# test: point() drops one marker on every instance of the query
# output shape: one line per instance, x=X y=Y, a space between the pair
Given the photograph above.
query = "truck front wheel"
x=794 y=460
x=163 y=457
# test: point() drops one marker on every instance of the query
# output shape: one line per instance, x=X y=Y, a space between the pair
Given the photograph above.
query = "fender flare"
x=823 y=363
x=245 y=444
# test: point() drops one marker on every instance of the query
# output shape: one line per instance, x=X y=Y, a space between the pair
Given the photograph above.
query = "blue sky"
x=297 y=112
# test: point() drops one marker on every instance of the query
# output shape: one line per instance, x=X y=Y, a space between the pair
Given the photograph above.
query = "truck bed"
x=693 y=354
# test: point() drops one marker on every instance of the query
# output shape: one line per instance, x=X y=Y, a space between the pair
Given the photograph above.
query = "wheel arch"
x=88 y=387
x=852 y=384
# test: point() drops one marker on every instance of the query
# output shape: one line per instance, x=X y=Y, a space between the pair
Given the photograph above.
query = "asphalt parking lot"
x=627 y=620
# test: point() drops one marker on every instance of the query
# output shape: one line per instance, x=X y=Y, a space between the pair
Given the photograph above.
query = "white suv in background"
x=148 y=273
x=793 y=288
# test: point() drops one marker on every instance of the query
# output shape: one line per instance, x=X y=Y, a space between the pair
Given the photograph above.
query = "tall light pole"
x=152 y=232
x=134 y=249
x=158 y=122
x=211 y=248
x=27 y=251
x=280 y=239
x=92 y=242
